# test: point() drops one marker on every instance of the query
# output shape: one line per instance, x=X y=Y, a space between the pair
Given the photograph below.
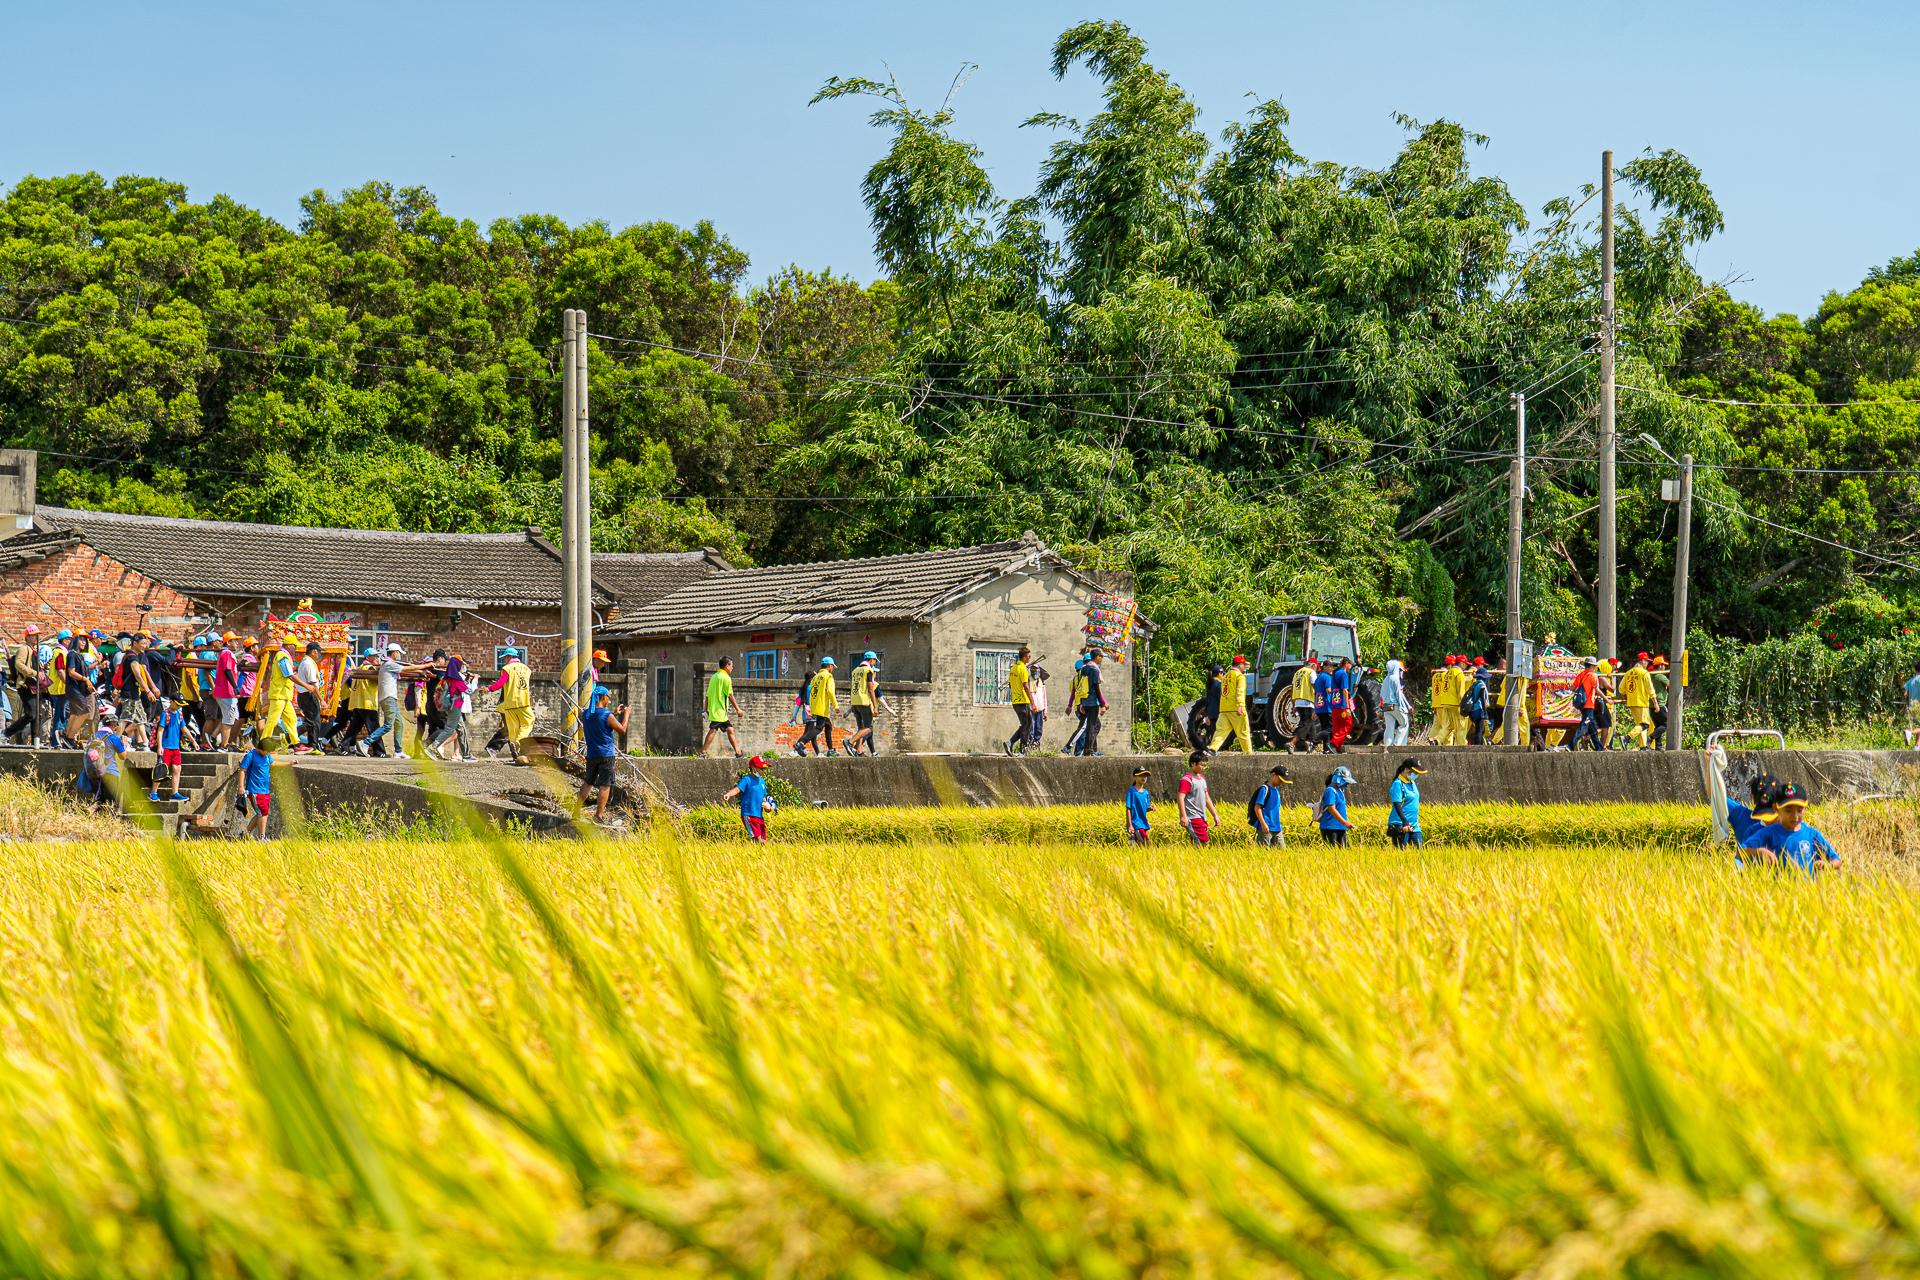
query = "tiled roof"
x=217 y=557
x=639 y=578
x=38 y=544
x=883 y=589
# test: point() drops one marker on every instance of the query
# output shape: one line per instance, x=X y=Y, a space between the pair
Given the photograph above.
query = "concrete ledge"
x=1455 y=775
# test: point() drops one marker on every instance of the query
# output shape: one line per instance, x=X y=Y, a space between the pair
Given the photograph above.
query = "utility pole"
x=1677 y=682
x=1608 y=602
x=569 y=529
x=581 y=550
x=1516 y=503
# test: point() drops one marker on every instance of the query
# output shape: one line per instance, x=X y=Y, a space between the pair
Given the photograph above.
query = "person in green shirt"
x=721 y=706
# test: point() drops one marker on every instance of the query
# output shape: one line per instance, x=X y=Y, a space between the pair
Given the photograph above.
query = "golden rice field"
x=963 y=1054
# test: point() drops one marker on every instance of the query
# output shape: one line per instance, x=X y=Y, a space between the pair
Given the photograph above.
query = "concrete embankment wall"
x=1454 y=776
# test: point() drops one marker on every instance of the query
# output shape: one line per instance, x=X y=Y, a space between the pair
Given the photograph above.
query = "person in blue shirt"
x=256 y=783
x=1750 y=823
x=1793 y=841
x=751 y=792
x=1403 y=799
x=1913 y=707
x=1139 y=805
x=173 y=723
x=100 y=764
x=600 y=726
x=1323 y=705
x=1334 y=825
x=1265 y=809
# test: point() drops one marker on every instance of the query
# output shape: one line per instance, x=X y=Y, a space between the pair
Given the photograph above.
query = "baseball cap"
x=1281 y=772
x=827 y=661
x=1239 y=659
x=1141 y=772
x=1342 y=777
x=33 y=628
x=63 y=634
x=395 y=648
x=600 y=655
x=758 y=762
x=1411 y=765
x=870 y=656
x=508 y=652
x=1789 y=795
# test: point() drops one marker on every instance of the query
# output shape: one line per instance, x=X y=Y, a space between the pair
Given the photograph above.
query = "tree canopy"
x=1257 y=381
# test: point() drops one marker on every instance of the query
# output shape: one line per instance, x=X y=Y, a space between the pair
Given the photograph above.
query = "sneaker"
x=154 y=796
x=178 y=795
x=831 y=753
x=492 y=754
x=1006 y=748
x=469 y=759
x=361 y=747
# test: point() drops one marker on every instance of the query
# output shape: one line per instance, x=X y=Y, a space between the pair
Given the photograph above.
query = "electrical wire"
x=1768 y=404
x=1811 y=537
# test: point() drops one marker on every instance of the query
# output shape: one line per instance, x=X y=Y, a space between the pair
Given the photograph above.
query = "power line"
x=1770 y=404
x=1811 y=537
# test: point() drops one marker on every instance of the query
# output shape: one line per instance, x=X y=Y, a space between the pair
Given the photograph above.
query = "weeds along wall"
x=1801 y=685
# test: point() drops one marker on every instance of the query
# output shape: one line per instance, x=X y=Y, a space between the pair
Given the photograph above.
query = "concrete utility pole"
x=569 y=529
x=581 y=550
x=1516 y=502
x=1608 y=602
x=1676 y=685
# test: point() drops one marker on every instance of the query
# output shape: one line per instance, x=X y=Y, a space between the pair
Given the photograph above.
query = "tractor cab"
x=1285 y=642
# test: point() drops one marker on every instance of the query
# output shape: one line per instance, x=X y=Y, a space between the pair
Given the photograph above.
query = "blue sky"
x=1800 y=115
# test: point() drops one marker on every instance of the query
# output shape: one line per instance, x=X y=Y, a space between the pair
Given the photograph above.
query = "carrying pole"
x=1677 y=662
x=1516 y=515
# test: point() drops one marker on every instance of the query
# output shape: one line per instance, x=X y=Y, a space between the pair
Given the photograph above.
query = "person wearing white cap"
x=387 y=676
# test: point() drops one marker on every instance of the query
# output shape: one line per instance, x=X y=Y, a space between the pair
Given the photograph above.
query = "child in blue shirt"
x=1333 y=807
x=256 y=782
x=751 y=792
x=173 y=723
x=1403 y=817
x=1139 y=805
x=1795 y=843
x=1265 y=810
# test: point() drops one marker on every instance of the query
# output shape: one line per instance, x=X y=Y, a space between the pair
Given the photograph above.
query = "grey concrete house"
x=946 y=625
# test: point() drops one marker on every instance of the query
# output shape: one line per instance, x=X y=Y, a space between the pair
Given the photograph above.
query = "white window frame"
x=1002 y=694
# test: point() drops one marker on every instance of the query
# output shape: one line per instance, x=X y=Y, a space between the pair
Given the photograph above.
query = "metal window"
x=663 y=691
x=762 y=664
x=991 y=669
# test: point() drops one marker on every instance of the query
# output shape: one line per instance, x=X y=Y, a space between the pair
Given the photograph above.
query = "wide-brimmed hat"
x=1342 y=777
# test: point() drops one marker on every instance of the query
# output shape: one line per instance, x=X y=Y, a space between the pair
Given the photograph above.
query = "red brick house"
x=469 y=593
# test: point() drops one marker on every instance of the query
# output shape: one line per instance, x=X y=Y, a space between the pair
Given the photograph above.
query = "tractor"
x=1285 y=642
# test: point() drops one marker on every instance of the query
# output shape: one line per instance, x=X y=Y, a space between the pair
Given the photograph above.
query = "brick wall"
x=80 y=588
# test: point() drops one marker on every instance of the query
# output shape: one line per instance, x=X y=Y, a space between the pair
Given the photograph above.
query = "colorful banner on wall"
x=1110 y=624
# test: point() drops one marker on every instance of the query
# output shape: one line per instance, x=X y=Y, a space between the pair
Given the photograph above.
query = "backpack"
x=1474 y=702
x=1579 y=697
x=1254 y=804
x=1320 y=808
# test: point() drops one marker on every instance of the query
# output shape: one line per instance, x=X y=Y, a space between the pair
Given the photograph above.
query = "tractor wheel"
x=1278 y=722
x=1199 y=729
x=1368 y=724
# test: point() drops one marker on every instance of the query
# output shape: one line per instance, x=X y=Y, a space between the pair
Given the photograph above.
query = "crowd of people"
x=105 y=694
x=1620 y=705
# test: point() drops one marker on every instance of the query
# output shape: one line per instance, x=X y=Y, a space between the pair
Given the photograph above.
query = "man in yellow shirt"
x=1019 y=686
x=865 y=700
x=1636 y=690
x=1445 y=689
x=1233 y=707
x=822 y=701
x=515 y=687
x=1306 y=725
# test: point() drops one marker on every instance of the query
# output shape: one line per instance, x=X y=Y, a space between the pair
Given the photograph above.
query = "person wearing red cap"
x=1446 y=702
x=751 y=792
x=1636 y=690
x=1233 y=708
